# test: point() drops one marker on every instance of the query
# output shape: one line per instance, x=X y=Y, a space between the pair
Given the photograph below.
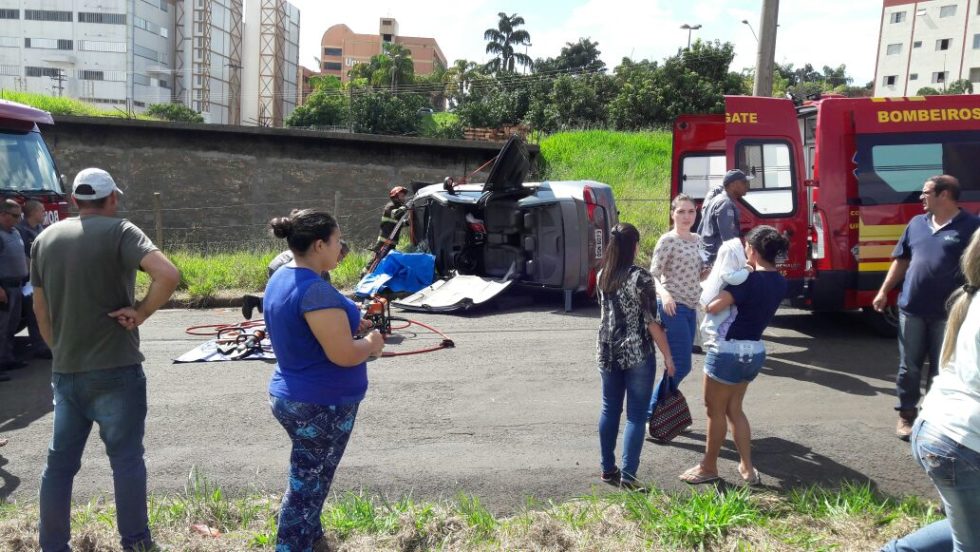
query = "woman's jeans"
x=955 y=471
x=681 y=330
x=636 y=385
x=319 y=434
x=116 y=400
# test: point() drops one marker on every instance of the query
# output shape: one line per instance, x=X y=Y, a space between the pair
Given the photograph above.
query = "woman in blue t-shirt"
x=321 y=373
x=735 y=358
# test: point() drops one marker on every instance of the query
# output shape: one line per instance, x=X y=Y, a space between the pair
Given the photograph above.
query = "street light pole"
x=746 y=21
x=689 y=29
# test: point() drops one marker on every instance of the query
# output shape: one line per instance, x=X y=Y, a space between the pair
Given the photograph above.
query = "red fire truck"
x=840 y=177
x=26 y=168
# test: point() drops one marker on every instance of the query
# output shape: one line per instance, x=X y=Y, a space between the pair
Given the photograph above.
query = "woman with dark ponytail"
x=628 y=329
x=734 y=358
x=321 y=370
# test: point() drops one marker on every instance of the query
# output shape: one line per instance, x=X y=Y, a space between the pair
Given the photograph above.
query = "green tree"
x=502 y=40
x=381 y=112
x=962 y=86
x=175 y=112
x=581 y=56
x=928 y=91
x=394 y=66
x=693 y=81
x=456 y=80
x=325 y=106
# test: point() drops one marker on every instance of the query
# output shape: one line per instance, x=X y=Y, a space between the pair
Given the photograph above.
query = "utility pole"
x=60 y=79
x=767 y=48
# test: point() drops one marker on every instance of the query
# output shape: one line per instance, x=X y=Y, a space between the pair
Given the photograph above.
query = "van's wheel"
x=885 y=324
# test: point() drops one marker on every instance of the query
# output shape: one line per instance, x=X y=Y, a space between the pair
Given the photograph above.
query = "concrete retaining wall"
x=219 y=185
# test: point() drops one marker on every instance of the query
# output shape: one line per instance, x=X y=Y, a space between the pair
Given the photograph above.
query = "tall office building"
x=341 y=48
x=270 y=74
x=927 y=43
x=114 y=53
x=233 y=63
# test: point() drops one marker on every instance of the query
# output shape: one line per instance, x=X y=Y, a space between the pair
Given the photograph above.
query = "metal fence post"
x=158 y=217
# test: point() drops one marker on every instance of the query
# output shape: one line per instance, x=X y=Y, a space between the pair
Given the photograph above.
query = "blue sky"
x=822 y=32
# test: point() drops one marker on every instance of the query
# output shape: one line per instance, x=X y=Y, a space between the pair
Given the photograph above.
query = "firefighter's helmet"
x=395 y=191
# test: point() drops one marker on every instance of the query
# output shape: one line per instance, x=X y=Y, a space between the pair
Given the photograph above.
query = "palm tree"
x=501 y=42
x=457 y=79
x=393 y=66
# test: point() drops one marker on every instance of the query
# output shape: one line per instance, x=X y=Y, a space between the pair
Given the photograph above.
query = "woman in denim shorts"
x=735 y=358
x=946 y=436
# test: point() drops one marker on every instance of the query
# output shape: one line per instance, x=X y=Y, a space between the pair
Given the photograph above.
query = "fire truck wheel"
x=884 y=324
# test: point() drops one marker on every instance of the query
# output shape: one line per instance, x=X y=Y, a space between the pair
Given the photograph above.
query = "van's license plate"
x=598 y=243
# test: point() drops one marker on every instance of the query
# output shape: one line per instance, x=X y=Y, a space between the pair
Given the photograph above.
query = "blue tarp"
x=399 y=272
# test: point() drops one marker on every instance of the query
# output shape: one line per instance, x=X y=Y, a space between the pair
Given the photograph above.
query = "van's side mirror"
x=811 y=183
x=63 y=181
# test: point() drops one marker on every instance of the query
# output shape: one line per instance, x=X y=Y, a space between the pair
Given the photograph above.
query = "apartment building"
x=270 y=72
x=113 y=53
x=927 y=43
x=341 y=48
x=208 y=58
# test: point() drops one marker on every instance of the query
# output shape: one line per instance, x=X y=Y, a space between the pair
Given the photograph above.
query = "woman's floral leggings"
x=319 y=434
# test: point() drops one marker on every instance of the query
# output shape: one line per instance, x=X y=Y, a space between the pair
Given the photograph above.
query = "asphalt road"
x=510 y=412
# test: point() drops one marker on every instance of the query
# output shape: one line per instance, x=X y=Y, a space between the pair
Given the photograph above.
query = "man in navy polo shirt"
x=928 y=259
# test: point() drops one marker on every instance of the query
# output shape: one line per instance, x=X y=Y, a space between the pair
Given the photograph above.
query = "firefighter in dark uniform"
x=389 y=218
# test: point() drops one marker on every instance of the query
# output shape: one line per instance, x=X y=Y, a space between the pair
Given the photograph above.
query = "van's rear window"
x=892 y=168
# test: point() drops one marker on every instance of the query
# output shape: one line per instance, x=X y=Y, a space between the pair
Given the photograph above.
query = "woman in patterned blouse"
x=676 y=268
x=628 y=329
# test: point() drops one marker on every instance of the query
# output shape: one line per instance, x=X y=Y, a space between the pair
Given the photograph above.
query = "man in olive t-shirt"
x=84 y=273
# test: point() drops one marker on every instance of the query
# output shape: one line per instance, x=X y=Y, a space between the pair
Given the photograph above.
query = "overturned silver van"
x=488 y=237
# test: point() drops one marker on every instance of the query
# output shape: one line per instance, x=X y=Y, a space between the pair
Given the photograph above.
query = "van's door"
x=762 y=137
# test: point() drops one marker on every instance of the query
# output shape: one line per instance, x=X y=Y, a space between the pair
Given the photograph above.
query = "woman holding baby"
x=736 y=318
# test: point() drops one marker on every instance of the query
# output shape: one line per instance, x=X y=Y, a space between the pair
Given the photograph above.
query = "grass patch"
x=635 y=164
x=206 y=275
x=704 y=519
x=66 y=106
x=857 y=499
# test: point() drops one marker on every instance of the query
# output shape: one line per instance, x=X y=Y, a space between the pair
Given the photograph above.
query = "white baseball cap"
x=92 y=184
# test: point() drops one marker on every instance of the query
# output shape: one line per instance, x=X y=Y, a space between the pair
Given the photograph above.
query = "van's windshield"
x=25 y=165
x=891 y=168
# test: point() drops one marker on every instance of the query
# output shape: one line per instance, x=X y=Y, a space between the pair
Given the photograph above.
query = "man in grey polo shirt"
x=83 y=271
x=13 y=271
x=719 y=213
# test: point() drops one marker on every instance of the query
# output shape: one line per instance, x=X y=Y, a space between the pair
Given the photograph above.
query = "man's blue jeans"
x=681 y=329
x=955 y=471
x=636 y=386
x=116 y=400
x=918 y=339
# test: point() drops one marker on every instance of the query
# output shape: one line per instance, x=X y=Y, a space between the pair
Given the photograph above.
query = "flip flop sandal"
x=753 y=480
x=691 y=476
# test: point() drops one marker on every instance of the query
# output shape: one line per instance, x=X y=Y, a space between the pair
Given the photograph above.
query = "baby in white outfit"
x=729 y=270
